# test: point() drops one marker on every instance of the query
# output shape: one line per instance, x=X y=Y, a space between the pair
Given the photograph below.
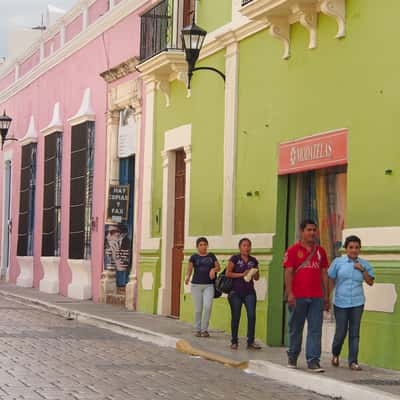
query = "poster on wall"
x=118 y=203
x=117 y=248
x=127 y=133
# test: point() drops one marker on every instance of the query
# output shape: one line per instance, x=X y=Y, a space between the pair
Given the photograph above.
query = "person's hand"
x=291 y=300
x=245 y=273
x=358 y=266
x=212 y=274
x=187 y=280
x=327 y=303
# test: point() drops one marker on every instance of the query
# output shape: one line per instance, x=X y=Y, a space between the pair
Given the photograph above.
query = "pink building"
x=78 y=135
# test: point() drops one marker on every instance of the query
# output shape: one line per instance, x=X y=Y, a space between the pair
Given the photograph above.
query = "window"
x=51 y=236
x=161 y=26
x=27 y=200
x=81 y=195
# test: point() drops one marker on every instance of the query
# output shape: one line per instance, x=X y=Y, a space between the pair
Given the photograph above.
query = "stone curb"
x=312 y=382
x=317 y=383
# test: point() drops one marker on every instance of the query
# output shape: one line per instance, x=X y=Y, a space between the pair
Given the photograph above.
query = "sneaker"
x=254 y=346
x=197 y=334
x=355 y=367
x=314 y=366
x=205 y=334
x=292 y=362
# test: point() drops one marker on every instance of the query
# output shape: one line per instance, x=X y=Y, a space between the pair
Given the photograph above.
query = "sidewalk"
x=371 y=384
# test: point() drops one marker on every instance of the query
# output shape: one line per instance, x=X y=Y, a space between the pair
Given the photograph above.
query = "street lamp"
x=5 y=122
x=192 y=40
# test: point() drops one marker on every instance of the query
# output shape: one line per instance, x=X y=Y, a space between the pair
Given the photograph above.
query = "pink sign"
x=314 y=152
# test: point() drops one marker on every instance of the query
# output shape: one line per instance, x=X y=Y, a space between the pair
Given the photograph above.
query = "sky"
x=24 y=13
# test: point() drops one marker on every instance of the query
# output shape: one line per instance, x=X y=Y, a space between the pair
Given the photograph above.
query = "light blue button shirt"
x=349 y=290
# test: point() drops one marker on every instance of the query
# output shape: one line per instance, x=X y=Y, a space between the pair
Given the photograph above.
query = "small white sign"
x=127 y=133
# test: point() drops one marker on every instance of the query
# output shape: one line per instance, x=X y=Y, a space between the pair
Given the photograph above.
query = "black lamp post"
x=192 y=40
x=5 y=122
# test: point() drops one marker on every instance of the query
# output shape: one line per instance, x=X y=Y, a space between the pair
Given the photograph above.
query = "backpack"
x=223 y=284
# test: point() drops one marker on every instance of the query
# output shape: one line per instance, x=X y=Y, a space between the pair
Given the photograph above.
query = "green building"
x=304 y=125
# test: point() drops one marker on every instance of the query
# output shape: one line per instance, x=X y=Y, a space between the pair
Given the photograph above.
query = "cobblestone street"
x=47 y=357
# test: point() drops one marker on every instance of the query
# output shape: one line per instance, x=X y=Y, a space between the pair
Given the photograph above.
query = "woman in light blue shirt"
x=347 y=274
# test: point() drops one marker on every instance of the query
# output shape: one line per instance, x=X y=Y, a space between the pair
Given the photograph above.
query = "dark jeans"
x=310 y=309
x=249 y=300
x=347 y=319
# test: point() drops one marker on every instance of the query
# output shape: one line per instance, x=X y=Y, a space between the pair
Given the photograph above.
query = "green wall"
x=205 y=111
x=212 y=14
x=349 y=83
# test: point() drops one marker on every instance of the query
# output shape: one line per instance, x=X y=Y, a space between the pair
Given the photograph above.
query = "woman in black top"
x=205 y=267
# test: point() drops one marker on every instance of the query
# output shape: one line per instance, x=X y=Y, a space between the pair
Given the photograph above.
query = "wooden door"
x=179 y=231
x=188 y=11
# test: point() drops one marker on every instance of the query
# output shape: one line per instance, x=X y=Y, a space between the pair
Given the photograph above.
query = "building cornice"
x=121 y=70
x=104 y=23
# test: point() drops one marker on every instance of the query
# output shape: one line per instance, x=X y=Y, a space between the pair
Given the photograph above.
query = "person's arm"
x=213 y=271
x=367 y=277
x=189 y=273
x=289 y=272
x=331 y=286
x=234 y=275
x=325 y=286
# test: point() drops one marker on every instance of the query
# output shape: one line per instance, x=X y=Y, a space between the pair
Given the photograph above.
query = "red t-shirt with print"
x=307 y=281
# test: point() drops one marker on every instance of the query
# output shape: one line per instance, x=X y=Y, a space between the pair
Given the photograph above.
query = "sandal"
x=234 y=346
x=205 y=334
x=355 y=367
x=335 y=361
x=197 y=334
x=254 y=346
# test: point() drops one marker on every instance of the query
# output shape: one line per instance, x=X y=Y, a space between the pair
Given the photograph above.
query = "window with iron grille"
x=27 y=200
x=51 y=236
x=160 y=27
x=81 y=195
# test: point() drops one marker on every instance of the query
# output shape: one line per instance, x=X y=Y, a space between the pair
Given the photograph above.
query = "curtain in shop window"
x=324 y=200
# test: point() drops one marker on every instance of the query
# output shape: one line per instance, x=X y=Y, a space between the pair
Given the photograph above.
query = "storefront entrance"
x=312 y=184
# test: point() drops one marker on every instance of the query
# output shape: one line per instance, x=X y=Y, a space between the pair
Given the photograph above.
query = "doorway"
x=179 y=231
x=6 y=219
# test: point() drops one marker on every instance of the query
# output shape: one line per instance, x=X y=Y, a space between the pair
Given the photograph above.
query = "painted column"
x=108 y=284
x=230 y=131
x=131 y=287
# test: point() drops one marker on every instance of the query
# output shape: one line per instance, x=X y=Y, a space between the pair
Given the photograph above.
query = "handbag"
x=217 y=293
x=223 y=284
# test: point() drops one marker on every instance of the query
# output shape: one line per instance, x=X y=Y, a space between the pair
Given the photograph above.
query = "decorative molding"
x=85 y=112
x=388 y=236
x=381 y=297
x=281 y=14
x=337 y=10
x=81 y=282
x=147 y=281
x=50 y=281
x=25 y=277
x=164 y=68
x=31 y=134
x=121 y=70
x=280 y=29
x=56 y=124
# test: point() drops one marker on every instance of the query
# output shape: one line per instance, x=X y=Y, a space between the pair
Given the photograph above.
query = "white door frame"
x=6 y=219
x=175 y=139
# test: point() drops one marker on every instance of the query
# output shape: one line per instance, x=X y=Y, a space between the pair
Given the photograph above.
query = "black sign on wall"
x=118 y=203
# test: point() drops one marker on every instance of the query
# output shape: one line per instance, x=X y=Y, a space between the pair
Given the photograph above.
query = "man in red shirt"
x=306 y=282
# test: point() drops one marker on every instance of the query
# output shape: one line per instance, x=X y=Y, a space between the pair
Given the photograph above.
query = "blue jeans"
x=347 y=320
x=310 y=309
x=249 y=300
x=203 y=296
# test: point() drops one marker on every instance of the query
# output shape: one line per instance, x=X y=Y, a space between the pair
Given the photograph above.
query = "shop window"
x=81 y=190
x=27 y=200
x=321 y=196
x=51 y=237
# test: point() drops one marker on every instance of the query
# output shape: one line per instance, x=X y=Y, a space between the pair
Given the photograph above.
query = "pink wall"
x=7 y=80
x=66 y=83
x=73 y=28
x=97 y=9
x=29 y=63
